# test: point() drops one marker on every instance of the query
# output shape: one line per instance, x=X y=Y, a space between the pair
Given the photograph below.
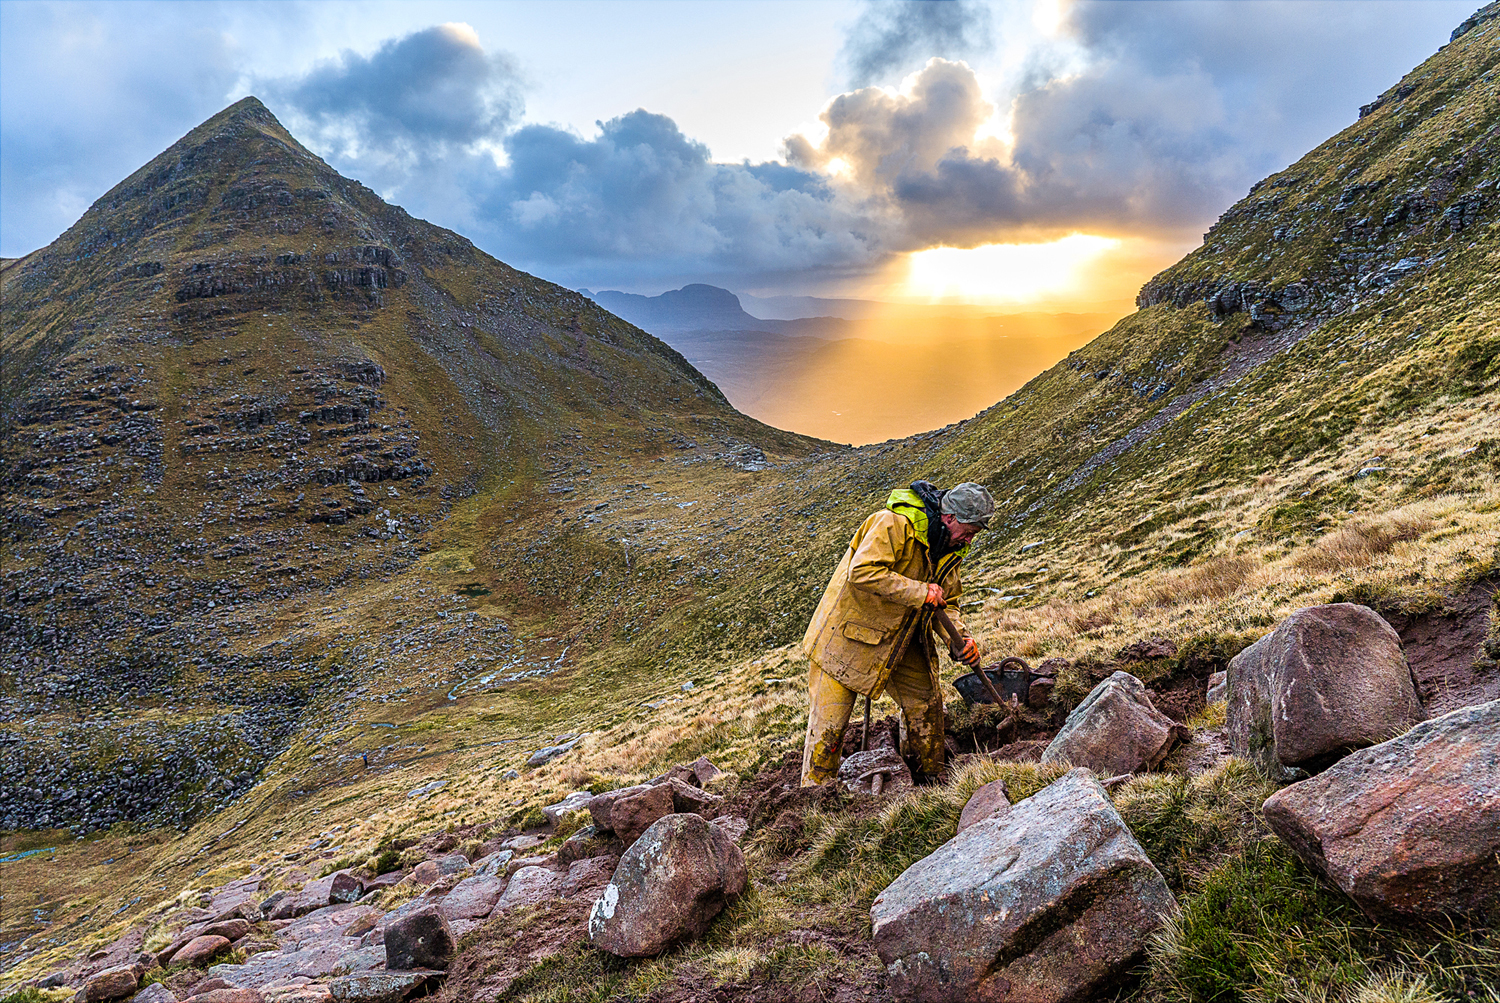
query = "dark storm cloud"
x=893 y=37
x=414 y=97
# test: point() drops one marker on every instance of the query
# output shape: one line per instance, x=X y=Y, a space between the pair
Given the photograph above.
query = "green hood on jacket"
x=906 y=502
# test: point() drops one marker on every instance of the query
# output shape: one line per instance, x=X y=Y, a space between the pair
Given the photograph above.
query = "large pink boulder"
x=633 y=813
x=199 y=950
x=1050 y=902
x=668 y=887
x=110 y=984
x=1328 y=680
x=1409 y=827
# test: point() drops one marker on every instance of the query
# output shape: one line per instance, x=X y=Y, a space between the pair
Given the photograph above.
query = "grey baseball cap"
x=969 y=503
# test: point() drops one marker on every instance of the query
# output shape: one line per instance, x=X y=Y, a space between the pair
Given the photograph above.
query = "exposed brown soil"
x=1181 y=697
x=1445 y=650
x=492 y=957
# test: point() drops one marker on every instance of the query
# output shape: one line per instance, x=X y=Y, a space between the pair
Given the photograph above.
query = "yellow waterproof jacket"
x=871 y=611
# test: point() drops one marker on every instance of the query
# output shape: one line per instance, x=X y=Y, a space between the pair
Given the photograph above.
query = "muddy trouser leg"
x=914 y=688
x=829 y=703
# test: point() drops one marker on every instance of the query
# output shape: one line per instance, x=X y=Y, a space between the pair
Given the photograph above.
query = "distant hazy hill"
x=875 y=372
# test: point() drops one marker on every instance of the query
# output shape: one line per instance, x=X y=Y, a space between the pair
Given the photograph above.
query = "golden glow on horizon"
x=1015 y=273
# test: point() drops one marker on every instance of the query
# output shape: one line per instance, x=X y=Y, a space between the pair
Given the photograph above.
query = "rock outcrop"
x=1050 y=901
x=1409 y=827
x=668 y=887
x=1116 y=729
x=1328 y=680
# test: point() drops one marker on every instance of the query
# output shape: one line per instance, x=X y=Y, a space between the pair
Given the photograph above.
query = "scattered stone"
x=603 y=804
x=473 y=898
x=208 y=985
x=362 y=959
x=528 y=886
x=988 y=800
x=228 y=994
x=110 y=984
x=197 y=951
x=53 y=981
x=1409 y=827
x=577 y=801
x=452 y=863
x=382 y=881
x=542 y=756
x=877 y=771
x=383 y=987
x=590 y=875
x=705 y=771
x=1218 y=687
x=735 y=826
x=303 y=990
x=1116 y=729
x=586 y=842
x=520 y=843
x=520 y=862
x=155 y=993
x=633 y=814
x=1048 y=902
x=687 y=798
x=493 y=865
x=230 y=929
x=345 y=887
x=420 y=939
x=1328 y=680
x=425 y=873
x=668 y=887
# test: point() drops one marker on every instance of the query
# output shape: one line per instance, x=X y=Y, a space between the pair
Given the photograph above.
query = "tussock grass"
x=1188 y=824
x=1358 y=542
x=1263 y=928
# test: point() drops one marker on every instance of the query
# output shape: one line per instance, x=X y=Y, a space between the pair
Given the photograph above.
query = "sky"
x=1041 y=154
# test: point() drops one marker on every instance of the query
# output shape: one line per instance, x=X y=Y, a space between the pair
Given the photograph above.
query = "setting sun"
x=1003 y=272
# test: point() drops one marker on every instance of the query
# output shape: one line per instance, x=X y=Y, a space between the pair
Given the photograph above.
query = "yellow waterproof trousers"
x=830 y=702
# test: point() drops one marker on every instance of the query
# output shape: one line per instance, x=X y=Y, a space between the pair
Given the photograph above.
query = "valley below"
x=353 y=577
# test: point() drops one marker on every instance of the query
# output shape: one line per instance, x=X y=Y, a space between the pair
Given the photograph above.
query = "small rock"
x=1409 y=827
x=1048 y=902
x=577 y=801
x=602 y=804
x=382 y=881
x=110 y=984
x=528 y=886
x=425 y=873
x=583 y=844
x=452 y=863
x=859 y=773
x=687 y=798
x=1328 y=680
x=633 y=814
x=542 y=756
x=420 y=939
x=230 y=929
x=493 y=865
x=988 y=800
x=345 y=887
x=53 y=981
x=522 y=843
x=1116 y=729
x=199 y=950
x=229 y=994
x=734 y=826
x=519 y=862
x=155 y=993
x=208 y=985
x=510 y=774
x=473 y=898
x=1218 y=687
x=590 y=875
x=668 y=887
x=383 y=987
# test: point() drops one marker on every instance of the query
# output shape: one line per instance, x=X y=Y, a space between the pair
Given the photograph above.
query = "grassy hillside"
x=1301 y=410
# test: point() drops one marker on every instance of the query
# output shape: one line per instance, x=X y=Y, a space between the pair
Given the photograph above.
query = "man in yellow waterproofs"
x=873 y=629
